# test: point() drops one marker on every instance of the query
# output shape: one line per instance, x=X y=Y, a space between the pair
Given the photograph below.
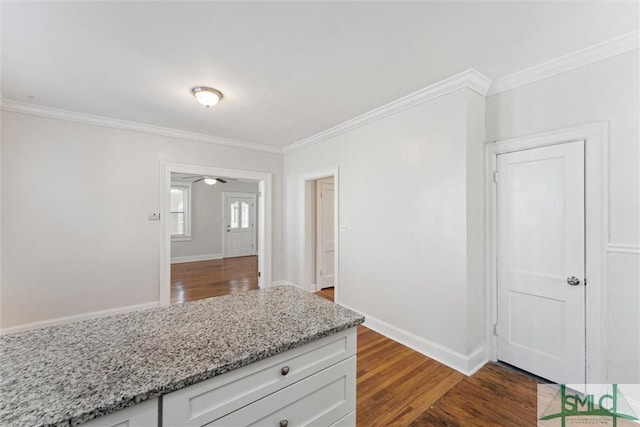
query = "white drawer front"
x=320 y=400
x=204 y=402
x=144 y=414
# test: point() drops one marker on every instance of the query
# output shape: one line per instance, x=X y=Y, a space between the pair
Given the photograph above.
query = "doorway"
x=325 y=234
x=213 y=222
x=319 y=207
x=261 y=225
x=546 y=237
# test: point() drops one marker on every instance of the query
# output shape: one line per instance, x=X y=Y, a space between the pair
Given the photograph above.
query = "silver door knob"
x=573 y=281
x=284 y=423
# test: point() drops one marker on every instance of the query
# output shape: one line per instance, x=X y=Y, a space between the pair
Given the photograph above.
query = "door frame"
x=595 y=137
x=224 y=212
x=307 y=236
x=264 y=204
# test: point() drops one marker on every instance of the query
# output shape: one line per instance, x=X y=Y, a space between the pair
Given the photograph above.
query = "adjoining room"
x=214 y=236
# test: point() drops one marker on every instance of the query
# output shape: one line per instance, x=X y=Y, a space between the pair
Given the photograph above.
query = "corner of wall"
x=475 y=211
x=466 y=364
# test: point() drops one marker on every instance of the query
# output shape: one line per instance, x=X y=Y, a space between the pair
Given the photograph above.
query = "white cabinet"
x=310 y=385
x=314 y=384
x=143 y=414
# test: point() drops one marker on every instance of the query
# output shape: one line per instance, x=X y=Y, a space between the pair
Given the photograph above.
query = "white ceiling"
x=288 y=70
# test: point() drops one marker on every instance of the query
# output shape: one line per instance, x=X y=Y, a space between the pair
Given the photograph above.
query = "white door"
x=541 y=261
x=325 y=237
x=239 y=221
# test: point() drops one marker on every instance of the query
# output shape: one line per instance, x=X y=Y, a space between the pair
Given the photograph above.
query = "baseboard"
x=476 y=360
x=195 y=258
x=77 y=317
x=468 y=365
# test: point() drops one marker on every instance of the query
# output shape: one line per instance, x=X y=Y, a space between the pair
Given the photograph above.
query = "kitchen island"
x=216 y=357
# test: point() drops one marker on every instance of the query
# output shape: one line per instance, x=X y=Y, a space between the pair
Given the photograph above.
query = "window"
x=235 y=213
x=239 y=215
x=180 y=211
x=245 y=215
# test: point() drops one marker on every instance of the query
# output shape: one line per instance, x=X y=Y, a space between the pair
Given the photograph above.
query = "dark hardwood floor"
x=204 y=279
x=327 y=293
x=397 y=386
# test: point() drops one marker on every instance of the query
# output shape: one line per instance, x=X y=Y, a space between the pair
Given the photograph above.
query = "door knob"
x=573 y=281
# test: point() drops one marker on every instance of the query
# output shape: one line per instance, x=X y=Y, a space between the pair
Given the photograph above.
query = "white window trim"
x=187 y=214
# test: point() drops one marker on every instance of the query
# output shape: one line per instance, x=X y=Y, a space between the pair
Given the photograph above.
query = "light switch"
x=154 y=216
x=343 y=227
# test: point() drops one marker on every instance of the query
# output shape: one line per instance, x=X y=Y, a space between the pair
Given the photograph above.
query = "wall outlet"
x=154 y=216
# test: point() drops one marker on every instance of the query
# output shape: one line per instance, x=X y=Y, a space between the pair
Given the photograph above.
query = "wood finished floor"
x=191 y=281
x=397 y=386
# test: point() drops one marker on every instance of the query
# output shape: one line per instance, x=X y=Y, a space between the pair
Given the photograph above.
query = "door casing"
x=264 y=219
x=308 y=229
x=595 y=137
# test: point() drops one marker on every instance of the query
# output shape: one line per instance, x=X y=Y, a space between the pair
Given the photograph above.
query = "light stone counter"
x=68 y=374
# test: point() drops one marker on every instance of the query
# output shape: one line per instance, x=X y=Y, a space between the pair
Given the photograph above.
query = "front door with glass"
x=239 y=224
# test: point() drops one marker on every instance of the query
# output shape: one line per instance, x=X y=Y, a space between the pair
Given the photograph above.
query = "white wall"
x=76 y=236
x=606 y=90
x=206 y=220
x=403 y=207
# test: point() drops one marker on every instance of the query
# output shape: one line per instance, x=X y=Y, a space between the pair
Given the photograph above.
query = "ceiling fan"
x=209 y=180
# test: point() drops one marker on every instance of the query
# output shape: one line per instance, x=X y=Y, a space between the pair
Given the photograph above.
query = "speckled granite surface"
x=64 y=375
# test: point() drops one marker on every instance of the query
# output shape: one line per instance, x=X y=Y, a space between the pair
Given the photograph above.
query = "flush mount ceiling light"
x=210 y=181
x=207 y=96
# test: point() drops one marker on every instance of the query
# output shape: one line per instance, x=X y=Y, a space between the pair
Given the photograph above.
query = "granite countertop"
x=68 y=374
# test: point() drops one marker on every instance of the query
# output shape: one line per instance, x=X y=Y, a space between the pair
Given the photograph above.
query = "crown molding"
x=56 y=113
x=565 y=63
x=470 y=78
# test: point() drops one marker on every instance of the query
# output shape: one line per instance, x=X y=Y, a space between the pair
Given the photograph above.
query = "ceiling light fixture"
x=210 y=181
x=207 y=96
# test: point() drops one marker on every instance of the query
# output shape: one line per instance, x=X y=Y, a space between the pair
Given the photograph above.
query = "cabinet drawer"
x=143 y=414
x=209 y=400
x=320 y=400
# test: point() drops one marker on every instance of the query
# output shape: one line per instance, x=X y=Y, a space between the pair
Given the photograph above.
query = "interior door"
x=541 y=261
x=325 y=235
x=240 y=220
